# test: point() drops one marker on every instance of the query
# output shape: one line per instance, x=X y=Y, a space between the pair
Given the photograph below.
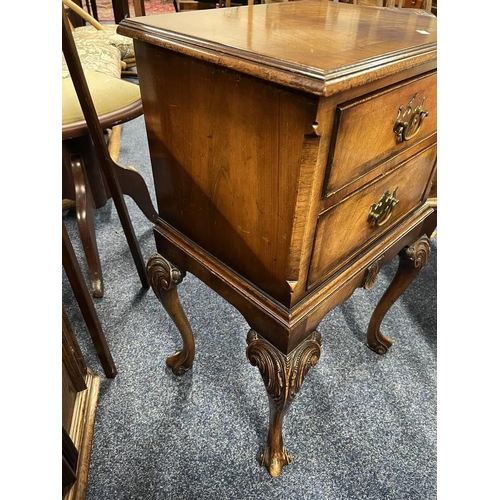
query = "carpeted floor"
x=362 y=427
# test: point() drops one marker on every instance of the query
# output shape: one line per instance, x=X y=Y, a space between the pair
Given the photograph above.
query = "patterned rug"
x=105 y=8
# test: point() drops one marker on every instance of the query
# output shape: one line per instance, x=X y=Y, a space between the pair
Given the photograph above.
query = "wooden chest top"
x=321 y=47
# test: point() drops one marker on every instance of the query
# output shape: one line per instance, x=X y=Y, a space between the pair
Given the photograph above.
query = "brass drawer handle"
x=381 y=211
x=409 y=120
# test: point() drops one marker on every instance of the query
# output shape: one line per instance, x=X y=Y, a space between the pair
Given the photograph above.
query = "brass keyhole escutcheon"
x=381 y=211
x=409 y=120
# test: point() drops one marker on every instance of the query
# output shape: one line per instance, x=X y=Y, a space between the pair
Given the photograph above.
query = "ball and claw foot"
x=275 y=464
x=283 y=375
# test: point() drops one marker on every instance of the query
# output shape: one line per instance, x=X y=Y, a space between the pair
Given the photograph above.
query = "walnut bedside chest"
x=293 y=148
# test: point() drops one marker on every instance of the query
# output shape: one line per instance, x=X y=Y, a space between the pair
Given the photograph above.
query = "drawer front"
x=345 y=230
x=364 y=131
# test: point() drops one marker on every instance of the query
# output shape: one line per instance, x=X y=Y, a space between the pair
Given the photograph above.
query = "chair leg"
x=134 y=186
x=85 y=215
x=128 y=229
x=114 y=136
x=79 y=287
x=95 y=14
x=131 y=182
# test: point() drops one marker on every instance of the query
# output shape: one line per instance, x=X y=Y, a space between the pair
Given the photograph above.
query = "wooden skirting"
x=82 y=431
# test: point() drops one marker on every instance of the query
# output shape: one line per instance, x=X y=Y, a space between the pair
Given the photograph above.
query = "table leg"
x=412 y=260
x=283 y=376
x=164 y=278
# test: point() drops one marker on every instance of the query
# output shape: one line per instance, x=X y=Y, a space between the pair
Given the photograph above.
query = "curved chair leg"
x=131 y=182
x=134 y=186
x=164 y=278
x=283 y=376
x=85 y=211
x=412 y=260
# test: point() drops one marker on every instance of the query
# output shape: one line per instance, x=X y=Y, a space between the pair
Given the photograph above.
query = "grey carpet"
x=362 y=427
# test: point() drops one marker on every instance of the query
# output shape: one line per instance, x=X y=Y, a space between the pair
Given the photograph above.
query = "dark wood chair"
x=90 y=176
x=92 y=32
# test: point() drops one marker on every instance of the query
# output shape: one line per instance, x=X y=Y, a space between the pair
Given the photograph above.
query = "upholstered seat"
x=107 y=35
x=99 y=47
x=96 y=56
x=110 y=96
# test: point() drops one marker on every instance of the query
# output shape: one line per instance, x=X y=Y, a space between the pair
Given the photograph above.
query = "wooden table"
x=293 y=148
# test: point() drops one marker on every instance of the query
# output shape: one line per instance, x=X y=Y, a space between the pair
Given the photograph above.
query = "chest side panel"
x=226 y=151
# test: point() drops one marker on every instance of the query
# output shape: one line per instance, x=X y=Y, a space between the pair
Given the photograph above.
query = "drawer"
x=363 y=134
x=346 y=229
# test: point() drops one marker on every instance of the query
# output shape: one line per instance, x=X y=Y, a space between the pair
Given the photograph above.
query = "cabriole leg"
x=164 y=278
x=412 y=260
x=283 y=376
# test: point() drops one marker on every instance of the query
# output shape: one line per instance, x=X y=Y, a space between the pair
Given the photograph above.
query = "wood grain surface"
x=313 y=45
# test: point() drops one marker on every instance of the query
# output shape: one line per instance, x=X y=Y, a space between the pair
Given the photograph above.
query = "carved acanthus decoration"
x=371 y=274
x=162 y=275
x=283 y=376
x=419 y=252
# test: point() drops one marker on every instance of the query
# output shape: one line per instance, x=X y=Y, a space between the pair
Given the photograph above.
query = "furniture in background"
x=91 y=6
x=90 y=176
x=98 y=45
x=399 y=4
x=322 y=180
x=185 y=5
x=202 y=4
x=373 y=3
x=212 y=4
x=414 y=4
x=80 y=394
x=121 y=9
